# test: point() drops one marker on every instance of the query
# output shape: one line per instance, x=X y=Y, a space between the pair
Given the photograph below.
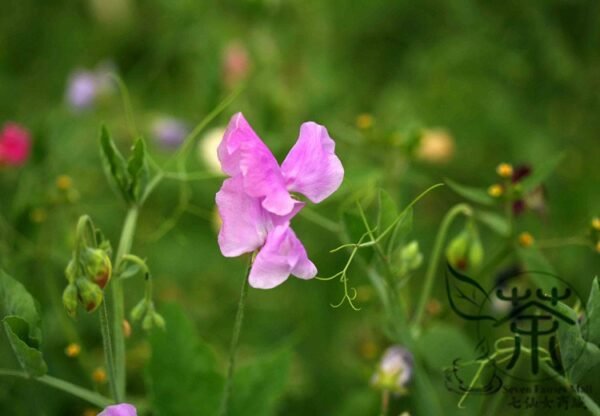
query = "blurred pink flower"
x=255 y=204
x=15 y=145
x=236 y=64
x=122 y=409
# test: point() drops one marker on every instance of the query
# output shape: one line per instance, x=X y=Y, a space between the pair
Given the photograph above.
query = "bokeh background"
x=502 y=81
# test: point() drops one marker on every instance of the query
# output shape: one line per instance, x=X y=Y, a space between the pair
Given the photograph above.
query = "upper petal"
x=283 y=254
x=311 y=167
x=244 y=222
x=242 y=152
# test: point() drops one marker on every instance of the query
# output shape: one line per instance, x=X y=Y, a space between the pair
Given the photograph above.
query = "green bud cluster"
x=407 y=258
x=88 y=271
x=465 y=251
x=145 y=312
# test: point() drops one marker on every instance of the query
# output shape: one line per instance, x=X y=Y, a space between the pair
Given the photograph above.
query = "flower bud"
x=90 y=294
x=158 y=321
x=395 y=370
x=139 y=310
x=69 y=298
x=457 y=250
x=148 y=322
x=504 y=170
x=98 y=266
x=411 y=255
x=475 y=252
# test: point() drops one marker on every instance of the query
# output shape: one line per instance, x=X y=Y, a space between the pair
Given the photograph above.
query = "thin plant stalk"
x=237 y=328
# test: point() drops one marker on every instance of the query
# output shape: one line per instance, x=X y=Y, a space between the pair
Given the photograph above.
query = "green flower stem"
x=108 y=349
x=459 y=209
x=84 y=394
x=591 y=405
x=118 y=304
x=237 y=328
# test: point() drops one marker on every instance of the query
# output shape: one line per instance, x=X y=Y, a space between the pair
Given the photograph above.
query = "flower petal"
x=242 y=152
x=245 y=222
x=283 y=254
x=122 y=409
x=311 y=167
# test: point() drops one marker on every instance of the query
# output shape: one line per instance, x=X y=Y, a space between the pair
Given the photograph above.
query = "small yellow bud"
x=64 y=182
x=364 y=121
x=89 y=412
x=126 y=328
x=368 y=349
x=433 y=307
x=526 y=239
x=596 y=223
x=99 y=375
x=495 y=190
x=504 y=170
x=72 y=350
x=38 y=215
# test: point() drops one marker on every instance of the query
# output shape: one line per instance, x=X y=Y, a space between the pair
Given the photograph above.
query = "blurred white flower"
x=437 y=146
x=207 y=149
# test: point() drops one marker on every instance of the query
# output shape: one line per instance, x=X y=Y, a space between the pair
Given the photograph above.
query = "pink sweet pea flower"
x=15 y=144
x=255 y=204
x=122 y=409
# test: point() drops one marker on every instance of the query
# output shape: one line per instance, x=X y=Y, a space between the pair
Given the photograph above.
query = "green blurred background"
x=507 y=81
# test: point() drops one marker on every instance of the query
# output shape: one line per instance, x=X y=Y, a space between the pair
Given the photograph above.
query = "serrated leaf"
x=115 y=166
x=578 y=356
x=21 y=322
x=259 y=386
x=137 y=167
x=540 y=173
x=494 y=222
x=470 y=193
x=182 y=373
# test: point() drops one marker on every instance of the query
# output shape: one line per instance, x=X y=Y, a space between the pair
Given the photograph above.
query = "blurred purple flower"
x=82 y=89
x=169 y=132
x=122 y=409
x=395 y=369
x=255 y=204
x=85 y=86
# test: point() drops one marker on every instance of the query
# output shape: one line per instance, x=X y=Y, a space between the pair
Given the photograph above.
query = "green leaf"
x=440 y=339
x=182 y=375
x=578 y=356
x=540 y=173
x=137 y=167
x=259 y=386
x=114 y=165
x=466 y=296
x=354 y=228
x=592 y=320
x=472 y=194
x=534 y=261
x=493 y=221
x=387 y=211
x=21 y=322
x=26 y=349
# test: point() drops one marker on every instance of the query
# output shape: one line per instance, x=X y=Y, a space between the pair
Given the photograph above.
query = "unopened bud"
x=70 y=299
x=98 y=266
x=495 y=190
x=504 y=170
x=475 y=252
x=158 y=321
x=457 y=250
x=411 y=255
x=526 y=239
x=90 y=294
x=71 y=271
x=148 y=322
x=139 y=310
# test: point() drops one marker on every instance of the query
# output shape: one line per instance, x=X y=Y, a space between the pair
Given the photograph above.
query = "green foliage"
x=470 y=193
x=592 y=318
x=21 y=320
x=128 y=178
x=182 y=374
